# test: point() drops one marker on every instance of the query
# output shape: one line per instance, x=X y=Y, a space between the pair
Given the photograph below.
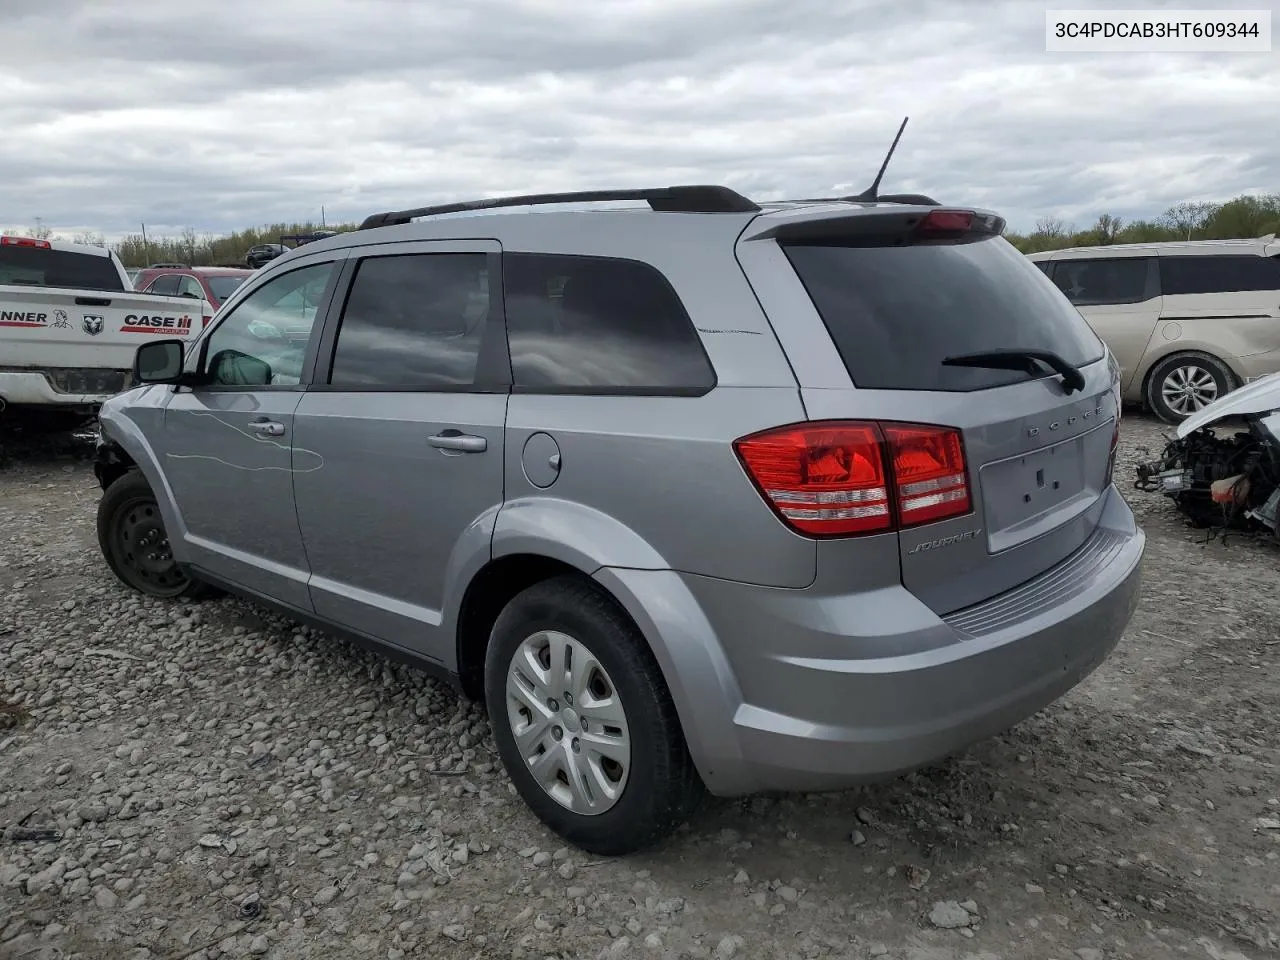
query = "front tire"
x=1186 y=383
x=584 y=722
x=132 y=537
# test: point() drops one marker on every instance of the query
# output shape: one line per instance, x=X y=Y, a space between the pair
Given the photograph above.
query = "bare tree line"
x=1244 y=216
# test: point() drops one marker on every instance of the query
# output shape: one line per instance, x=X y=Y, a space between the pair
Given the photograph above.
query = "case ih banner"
x=143 y=323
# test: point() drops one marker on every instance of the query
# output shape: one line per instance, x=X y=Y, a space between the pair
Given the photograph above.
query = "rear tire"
x=132 y=537
x=584 y=722
x=1185 y=383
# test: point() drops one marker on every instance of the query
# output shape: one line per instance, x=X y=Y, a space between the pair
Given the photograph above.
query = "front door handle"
x=268 y=428
x=462 y=442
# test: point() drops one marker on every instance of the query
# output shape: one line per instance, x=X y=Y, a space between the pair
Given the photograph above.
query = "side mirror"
x=159 y=361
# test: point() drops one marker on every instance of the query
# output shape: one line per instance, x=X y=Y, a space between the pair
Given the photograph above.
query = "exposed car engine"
x=1221 y=477
x=1220 y=481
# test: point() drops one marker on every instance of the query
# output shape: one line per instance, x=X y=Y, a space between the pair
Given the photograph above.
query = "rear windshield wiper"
x=1017 y=358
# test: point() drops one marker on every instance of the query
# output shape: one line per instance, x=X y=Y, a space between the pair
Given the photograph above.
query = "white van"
x=1187 y=321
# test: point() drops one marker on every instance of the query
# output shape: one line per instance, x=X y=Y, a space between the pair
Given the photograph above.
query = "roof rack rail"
x=681 y=199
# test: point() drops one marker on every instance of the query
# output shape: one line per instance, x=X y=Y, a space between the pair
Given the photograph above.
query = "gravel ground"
x=212 y=781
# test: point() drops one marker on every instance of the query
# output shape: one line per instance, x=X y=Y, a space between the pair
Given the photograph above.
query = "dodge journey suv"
x=703 y=495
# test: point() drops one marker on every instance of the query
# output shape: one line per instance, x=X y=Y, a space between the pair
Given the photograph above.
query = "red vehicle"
x=214 y=284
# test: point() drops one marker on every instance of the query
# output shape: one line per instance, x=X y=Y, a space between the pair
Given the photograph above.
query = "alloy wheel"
x=1188 y=389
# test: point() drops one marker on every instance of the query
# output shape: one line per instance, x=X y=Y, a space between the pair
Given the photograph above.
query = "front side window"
x=1220 y=274
x=263 y=341
x=583 y=324
x=413 y=322
x=1095 y=282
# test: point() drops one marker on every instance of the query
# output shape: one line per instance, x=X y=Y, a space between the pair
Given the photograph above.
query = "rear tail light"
x=928 y=466
x=842 y=478
x=204 y=321
x=24 y=242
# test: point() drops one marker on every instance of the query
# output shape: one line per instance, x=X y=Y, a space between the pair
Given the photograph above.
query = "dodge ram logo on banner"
x=92 y=325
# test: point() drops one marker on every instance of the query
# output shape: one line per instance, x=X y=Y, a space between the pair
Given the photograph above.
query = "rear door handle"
x=462 y=442
x=268 y=428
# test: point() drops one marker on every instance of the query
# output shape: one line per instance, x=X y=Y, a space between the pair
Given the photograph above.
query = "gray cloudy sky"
x=221 y=114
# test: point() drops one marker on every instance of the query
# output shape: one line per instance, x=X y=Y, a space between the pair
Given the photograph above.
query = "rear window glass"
x=40 y=267
x=895 y=313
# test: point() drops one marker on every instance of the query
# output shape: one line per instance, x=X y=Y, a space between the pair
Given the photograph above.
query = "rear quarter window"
x=582 y=324
x=41 y=267
x=895 y=313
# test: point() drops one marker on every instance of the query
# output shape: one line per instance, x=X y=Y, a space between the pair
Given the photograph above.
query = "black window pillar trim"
x=319 y=360
x=493 y=366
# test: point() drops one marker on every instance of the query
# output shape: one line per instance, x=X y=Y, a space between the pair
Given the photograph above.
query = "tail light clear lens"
x=843 y=478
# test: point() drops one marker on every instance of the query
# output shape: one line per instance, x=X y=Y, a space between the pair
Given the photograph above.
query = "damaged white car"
x=1223 y=468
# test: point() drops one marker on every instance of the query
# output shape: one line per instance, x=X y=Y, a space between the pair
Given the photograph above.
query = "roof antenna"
x=870 y=195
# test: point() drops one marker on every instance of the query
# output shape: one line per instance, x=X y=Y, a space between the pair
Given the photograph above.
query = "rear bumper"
x=1257 y=365
x=61 y=387
x=810 y=706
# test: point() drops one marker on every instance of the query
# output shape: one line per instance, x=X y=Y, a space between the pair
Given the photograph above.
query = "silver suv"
x=711 y=495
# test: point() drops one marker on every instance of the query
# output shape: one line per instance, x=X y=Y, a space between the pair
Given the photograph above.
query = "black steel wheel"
x=134 y=542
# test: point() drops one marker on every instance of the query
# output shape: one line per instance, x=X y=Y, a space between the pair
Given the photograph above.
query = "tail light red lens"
x=24 y=242
x=929 y=469
x=821 y=478
x=945 y=222
x=204 y=321
x=842 y=478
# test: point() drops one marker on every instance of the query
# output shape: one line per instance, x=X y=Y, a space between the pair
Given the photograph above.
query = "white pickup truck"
x=70 y=323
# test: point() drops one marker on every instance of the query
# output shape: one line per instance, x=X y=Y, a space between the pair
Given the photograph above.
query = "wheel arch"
x=648 y=592
x=1174 y=348
x=124 y=446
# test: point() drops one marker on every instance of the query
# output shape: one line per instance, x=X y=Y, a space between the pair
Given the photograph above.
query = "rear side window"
x=578 y=324
x=1183 y=275
x=1095 y=282
x=223 y=287
x=40 y=267
x=895 y=313
x=413 y=322
x=166 y=285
